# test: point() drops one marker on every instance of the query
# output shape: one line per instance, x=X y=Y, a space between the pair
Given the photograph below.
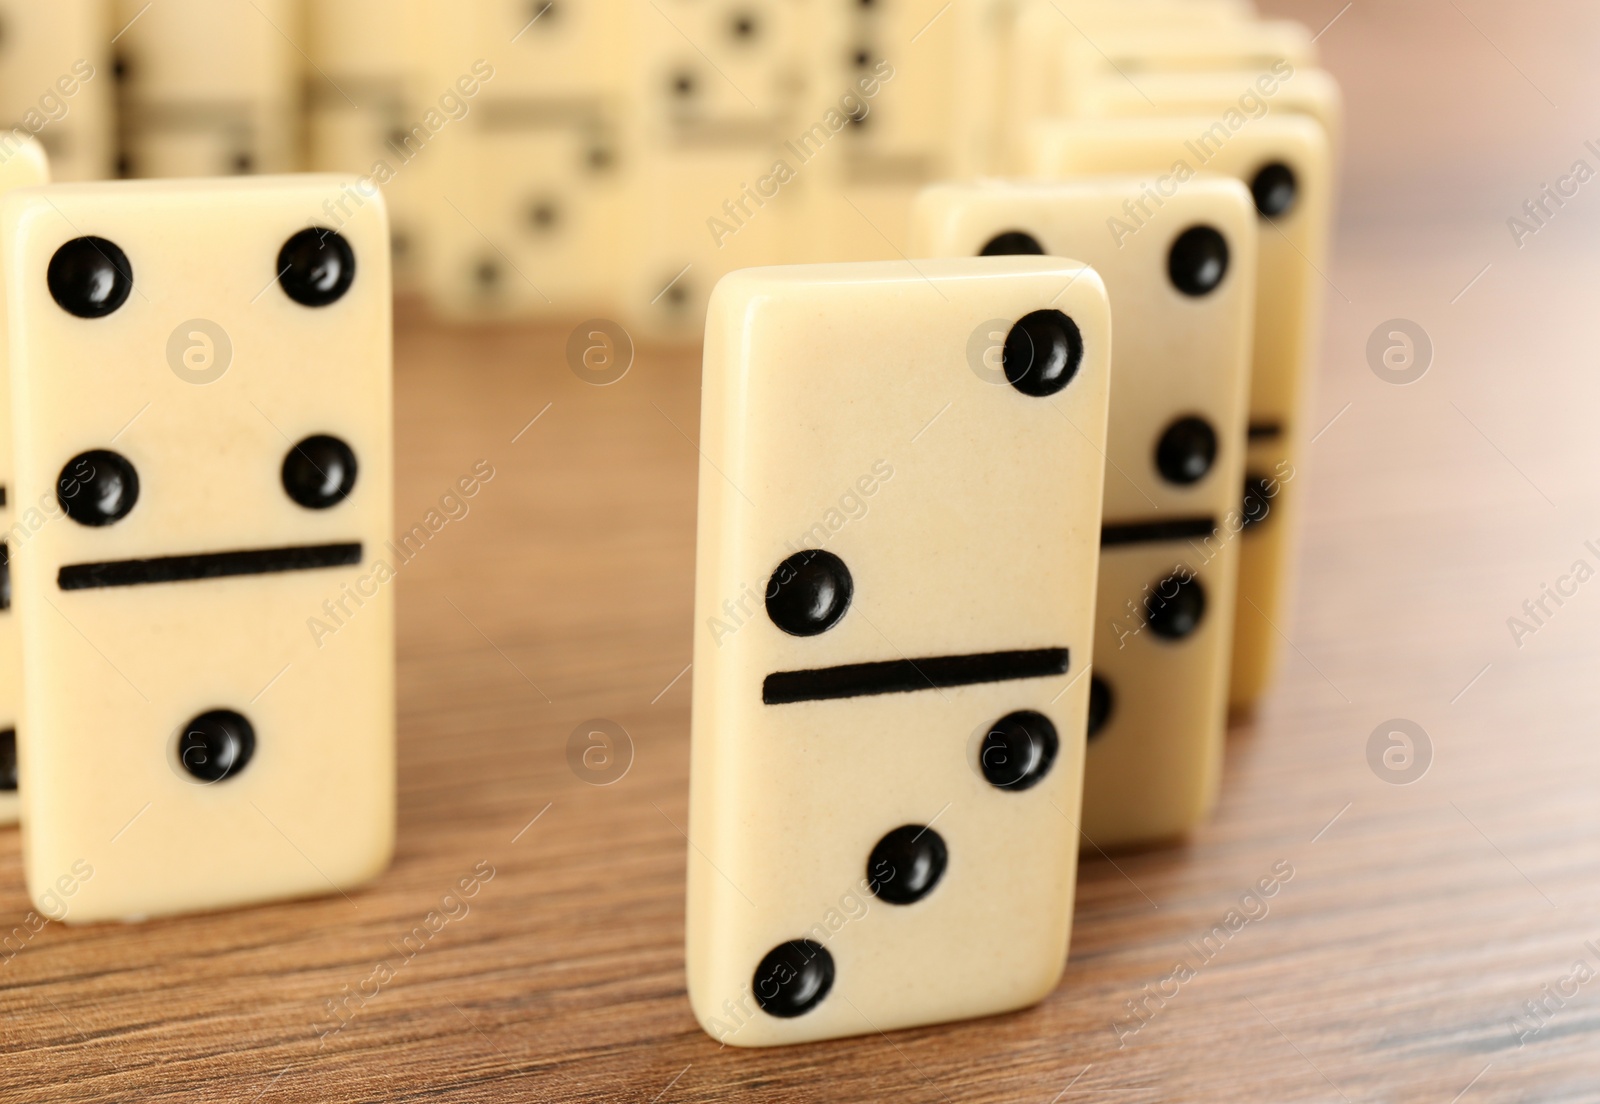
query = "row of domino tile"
x=571 y=158
x=1025 y=646
x=934 y=709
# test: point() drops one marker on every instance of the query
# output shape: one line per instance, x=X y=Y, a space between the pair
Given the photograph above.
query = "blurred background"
x=552 y=159
x=189 y=87
x=547 y=158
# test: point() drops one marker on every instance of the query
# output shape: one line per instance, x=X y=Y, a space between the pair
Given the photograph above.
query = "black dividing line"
x=1264 y=431
x=1152 y=532
x=210 y=565
x=902 y=676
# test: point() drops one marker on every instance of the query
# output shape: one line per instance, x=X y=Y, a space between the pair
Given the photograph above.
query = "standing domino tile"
x=1233 y=96
x=717 y=87
x=1185 y=281
x=22 y=165
x=201 y=381
x=1285 y=162
x=894 y=66
x=208 y=88
x=528 y=179
x=1052 y=52
x=56 y=81
x=981 y=69
x=894 y=605
x=365 y=111
x=1139 y=49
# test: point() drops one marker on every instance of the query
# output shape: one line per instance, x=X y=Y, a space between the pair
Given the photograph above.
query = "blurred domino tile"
x=56 y=82
x=208 y=89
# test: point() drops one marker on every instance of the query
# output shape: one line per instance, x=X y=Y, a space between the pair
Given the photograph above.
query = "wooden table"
x=1416 y=921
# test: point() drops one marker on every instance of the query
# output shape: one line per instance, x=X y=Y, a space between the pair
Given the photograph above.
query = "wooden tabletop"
x=1411 y=924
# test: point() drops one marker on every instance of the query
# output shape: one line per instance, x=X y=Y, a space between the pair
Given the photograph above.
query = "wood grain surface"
x=1410 y=925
